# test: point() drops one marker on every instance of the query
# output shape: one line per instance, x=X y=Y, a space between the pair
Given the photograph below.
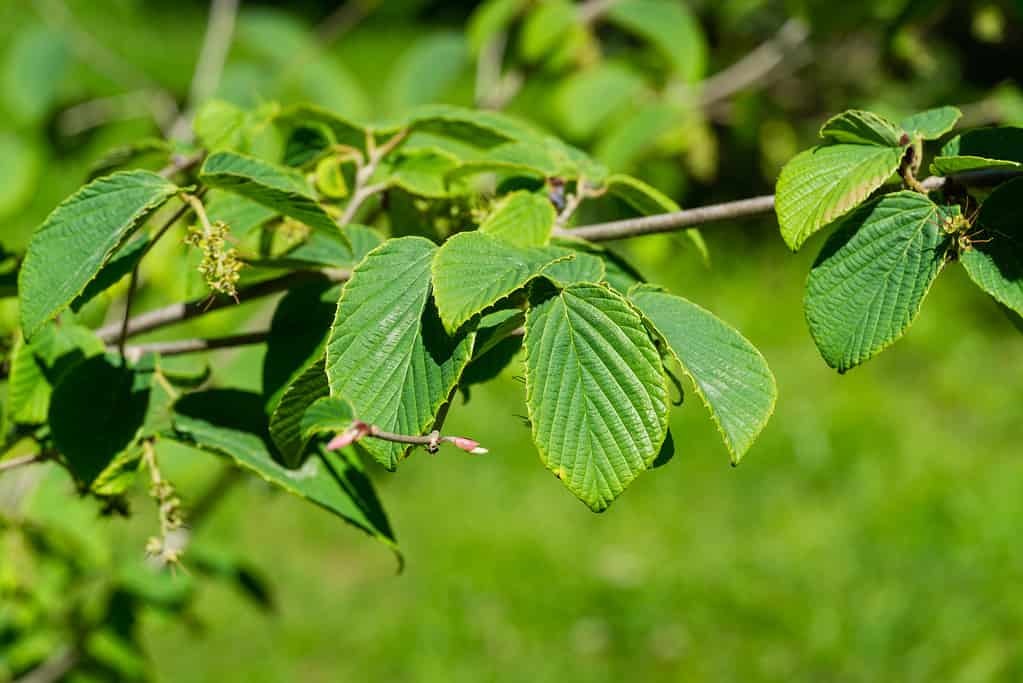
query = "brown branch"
x=180 y=312
x=53 y=669
x=363 y=190
x=23 y=460
x=431 y=441
x=179 y=347
x=181 y=163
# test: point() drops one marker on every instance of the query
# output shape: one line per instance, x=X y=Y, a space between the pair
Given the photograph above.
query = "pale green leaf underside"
x=859 y=127
x=729 y=373
x=872 y=275
x=331 y=481
x=286 y=421
x=933 y=123
x=596 y=391
x=388 y=353
x=995 y=259
x=472 y=271
x=819 y=185
x=522 y=218
x=279 y=188
x=70 y=248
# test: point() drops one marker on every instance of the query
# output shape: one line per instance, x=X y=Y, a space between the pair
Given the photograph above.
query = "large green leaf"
x=819 y=185
x=232 y=423
x=276 y=187
x=427 y=70
x=859 y=127
x=575 y=266
x=670 y=27
x=323 y=249
x=522 y=218
x=981 y=149
x=867 y=285
x=596 y=391
x=286 y=421
x=931 y=124
x=388 y=352
x=474 y=270
x=79 y=236
x=92 y=427
x=730 y=374
x=995 y=258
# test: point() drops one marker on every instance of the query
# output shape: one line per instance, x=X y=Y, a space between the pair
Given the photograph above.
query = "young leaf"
x=279 y=188
x=859 y=127
x=388 y=352
x=618 y=272
x=868 y=282
x=322 y=249
x=575 y=266
x=995 y=258
x=729 y=374
x=77 y=239
x=328 y=415
x=423 y=172
x=91 y=428
x=931 y=124
x=524 y=219
x=232 y=423
x=473 y=270
x=286 y=430
x=596 y=391
x=819 y=185
x=979 y=149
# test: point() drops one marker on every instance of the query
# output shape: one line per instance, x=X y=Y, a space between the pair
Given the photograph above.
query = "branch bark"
x=182 y=346
x=23 y=460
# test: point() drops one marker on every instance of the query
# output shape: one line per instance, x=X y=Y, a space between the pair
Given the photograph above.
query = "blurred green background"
x=869 y=535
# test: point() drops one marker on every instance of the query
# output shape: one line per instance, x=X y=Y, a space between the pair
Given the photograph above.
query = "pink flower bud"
x=469 y=445
x=349 y=436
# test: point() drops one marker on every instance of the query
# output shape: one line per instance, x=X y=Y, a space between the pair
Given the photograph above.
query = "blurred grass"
x=869 y=535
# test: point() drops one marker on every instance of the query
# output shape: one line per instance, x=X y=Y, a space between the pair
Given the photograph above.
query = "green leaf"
x=343 y=131
x=220 y=125
x=931 y=124
x=77 y=239
x=670 y=27
x=21 y=166
x=995 y=258
x=473 y=271
x=821 y=184
x=28 y=392
x=575 y=266
x=91 y=428
x=148 y=153
x=596 y=391
x=279 y=188
x=729 y=373
x=328 y=415
x=981 y=149
x=241 y=214
x=869 y=281
x=648 y=201
x=120 y=264
x=427 y=70
x=524 y=219
x=286 y=429
x=859 y=127
x=388 y=352
x=423 y=173
x=232 y=423
x=618 y=272
x=489 y=19
x=478 y=128
x=33 y=71
x=545 y=27
x=321 y=249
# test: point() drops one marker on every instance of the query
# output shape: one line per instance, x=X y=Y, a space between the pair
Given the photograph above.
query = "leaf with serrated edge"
x=577 y=266
x=729 y=373
x=933 y=123
x=522 y=218
x=861 y=128
x=327 y=415
x=276 y=187
x=869 y=281
x=596 y=391
x=388 y=352
x=472 y=271
x=994 y=260
x=819 y=185
x=77 y=239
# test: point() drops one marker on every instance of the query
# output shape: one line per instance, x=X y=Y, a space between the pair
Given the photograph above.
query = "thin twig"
x=344 y=19
x=363 y=190
x=180 y=163
x=592 y=10
x=179 y=347
x=53 y=669
x=210 y=65
x=132 y=287
x=103 y=110
x=431 y=441
x=180 y=312
x=23 y=460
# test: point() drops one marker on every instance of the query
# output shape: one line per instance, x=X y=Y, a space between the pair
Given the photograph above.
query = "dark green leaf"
x=995 y=258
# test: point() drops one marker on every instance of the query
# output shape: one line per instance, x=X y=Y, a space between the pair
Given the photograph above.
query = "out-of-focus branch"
x=343 y=19
x=179 y=347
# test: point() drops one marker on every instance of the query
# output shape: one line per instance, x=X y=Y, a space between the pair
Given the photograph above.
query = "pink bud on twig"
x=349 y=436
x=469 y=445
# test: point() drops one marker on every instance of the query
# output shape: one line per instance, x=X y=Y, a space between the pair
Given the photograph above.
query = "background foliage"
x=870 y=531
